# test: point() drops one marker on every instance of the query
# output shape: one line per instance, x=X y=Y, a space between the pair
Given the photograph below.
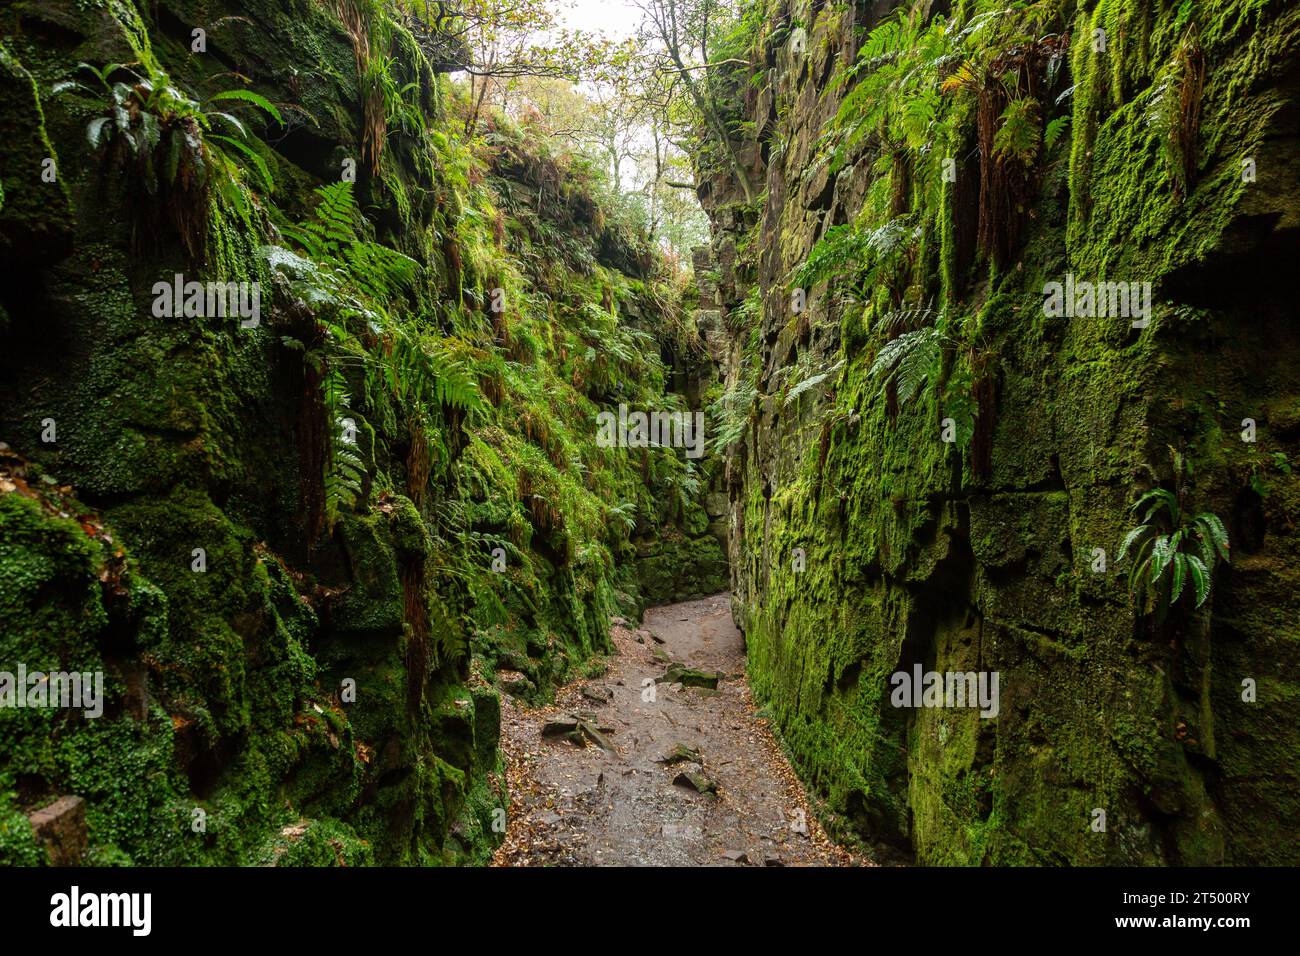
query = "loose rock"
x=688 y=677
x=61 y=829
x=679 y=754
x=697 y=782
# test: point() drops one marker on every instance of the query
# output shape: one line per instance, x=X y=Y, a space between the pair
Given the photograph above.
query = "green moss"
x=317 y=843
x=18 y=846
x=226 y=685
x=35 y=214
x=910 y=556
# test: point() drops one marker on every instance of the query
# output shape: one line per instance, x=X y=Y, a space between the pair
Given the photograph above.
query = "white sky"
x=617 y=19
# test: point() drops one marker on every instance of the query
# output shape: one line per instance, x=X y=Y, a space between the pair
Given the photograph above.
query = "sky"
x=615 y=18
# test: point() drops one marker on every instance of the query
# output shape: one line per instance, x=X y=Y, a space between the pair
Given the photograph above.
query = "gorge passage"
x=323 y=532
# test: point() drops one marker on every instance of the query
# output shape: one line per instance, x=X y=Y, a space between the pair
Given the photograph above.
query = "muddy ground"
x=578 y=805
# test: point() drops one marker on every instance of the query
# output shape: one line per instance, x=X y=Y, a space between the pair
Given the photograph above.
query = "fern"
x=909 y=360
x=425 y=374
x=358 y=289
x=343 y=481
x=268 y=183
x=895 y=86
x=1171 y=550
x=1018 y=132
x=846 y=250
x=170 y=139
x=1175 y=110
x=248 y=96
x=625 y=514
x=811 y=382
x=731 y=412
x=337 y=266
x=1055 y=130
x=344 y=470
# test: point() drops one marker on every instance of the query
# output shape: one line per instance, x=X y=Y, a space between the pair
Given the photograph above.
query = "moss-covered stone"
x=863 y=544
x=277 y=695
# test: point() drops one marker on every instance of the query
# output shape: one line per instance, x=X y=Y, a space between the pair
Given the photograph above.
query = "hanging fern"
x=1171 y=548
x=182 y=152
x=910 y=359
x=333 y=226
x=425 y=374
x=811 y=382
x=358 y=290
x=1018 y=132
x=359 y=282
x=1055 y=130
x=344 y=470
x=731 y=412
x=1175 y=111
x=894 y=95
x=867 y=254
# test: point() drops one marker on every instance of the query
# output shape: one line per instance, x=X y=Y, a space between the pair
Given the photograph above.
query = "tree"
x=553 y=106
x=673 y=213
x=618 y=119
x=616 y=124
x=507 y=41
x=677 y=35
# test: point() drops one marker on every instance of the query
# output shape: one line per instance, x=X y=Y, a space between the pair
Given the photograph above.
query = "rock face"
x=61 y=829
x=863 y=543
x=299 y=658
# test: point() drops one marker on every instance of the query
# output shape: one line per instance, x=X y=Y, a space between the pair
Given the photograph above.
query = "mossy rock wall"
x=912 y=555
x=273 y=699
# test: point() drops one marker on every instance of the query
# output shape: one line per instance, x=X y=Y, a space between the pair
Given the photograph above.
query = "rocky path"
x=577 y=804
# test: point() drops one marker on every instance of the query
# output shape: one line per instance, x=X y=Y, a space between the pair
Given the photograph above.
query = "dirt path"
x=583 y=806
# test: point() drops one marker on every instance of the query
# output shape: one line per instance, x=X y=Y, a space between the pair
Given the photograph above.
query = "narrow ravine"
x=369 y=367
x=575 y=805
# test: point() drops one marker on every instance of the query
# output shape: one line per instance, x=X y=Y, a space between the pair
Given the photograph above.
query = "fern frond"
x=249 y=154
x=248 y=96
